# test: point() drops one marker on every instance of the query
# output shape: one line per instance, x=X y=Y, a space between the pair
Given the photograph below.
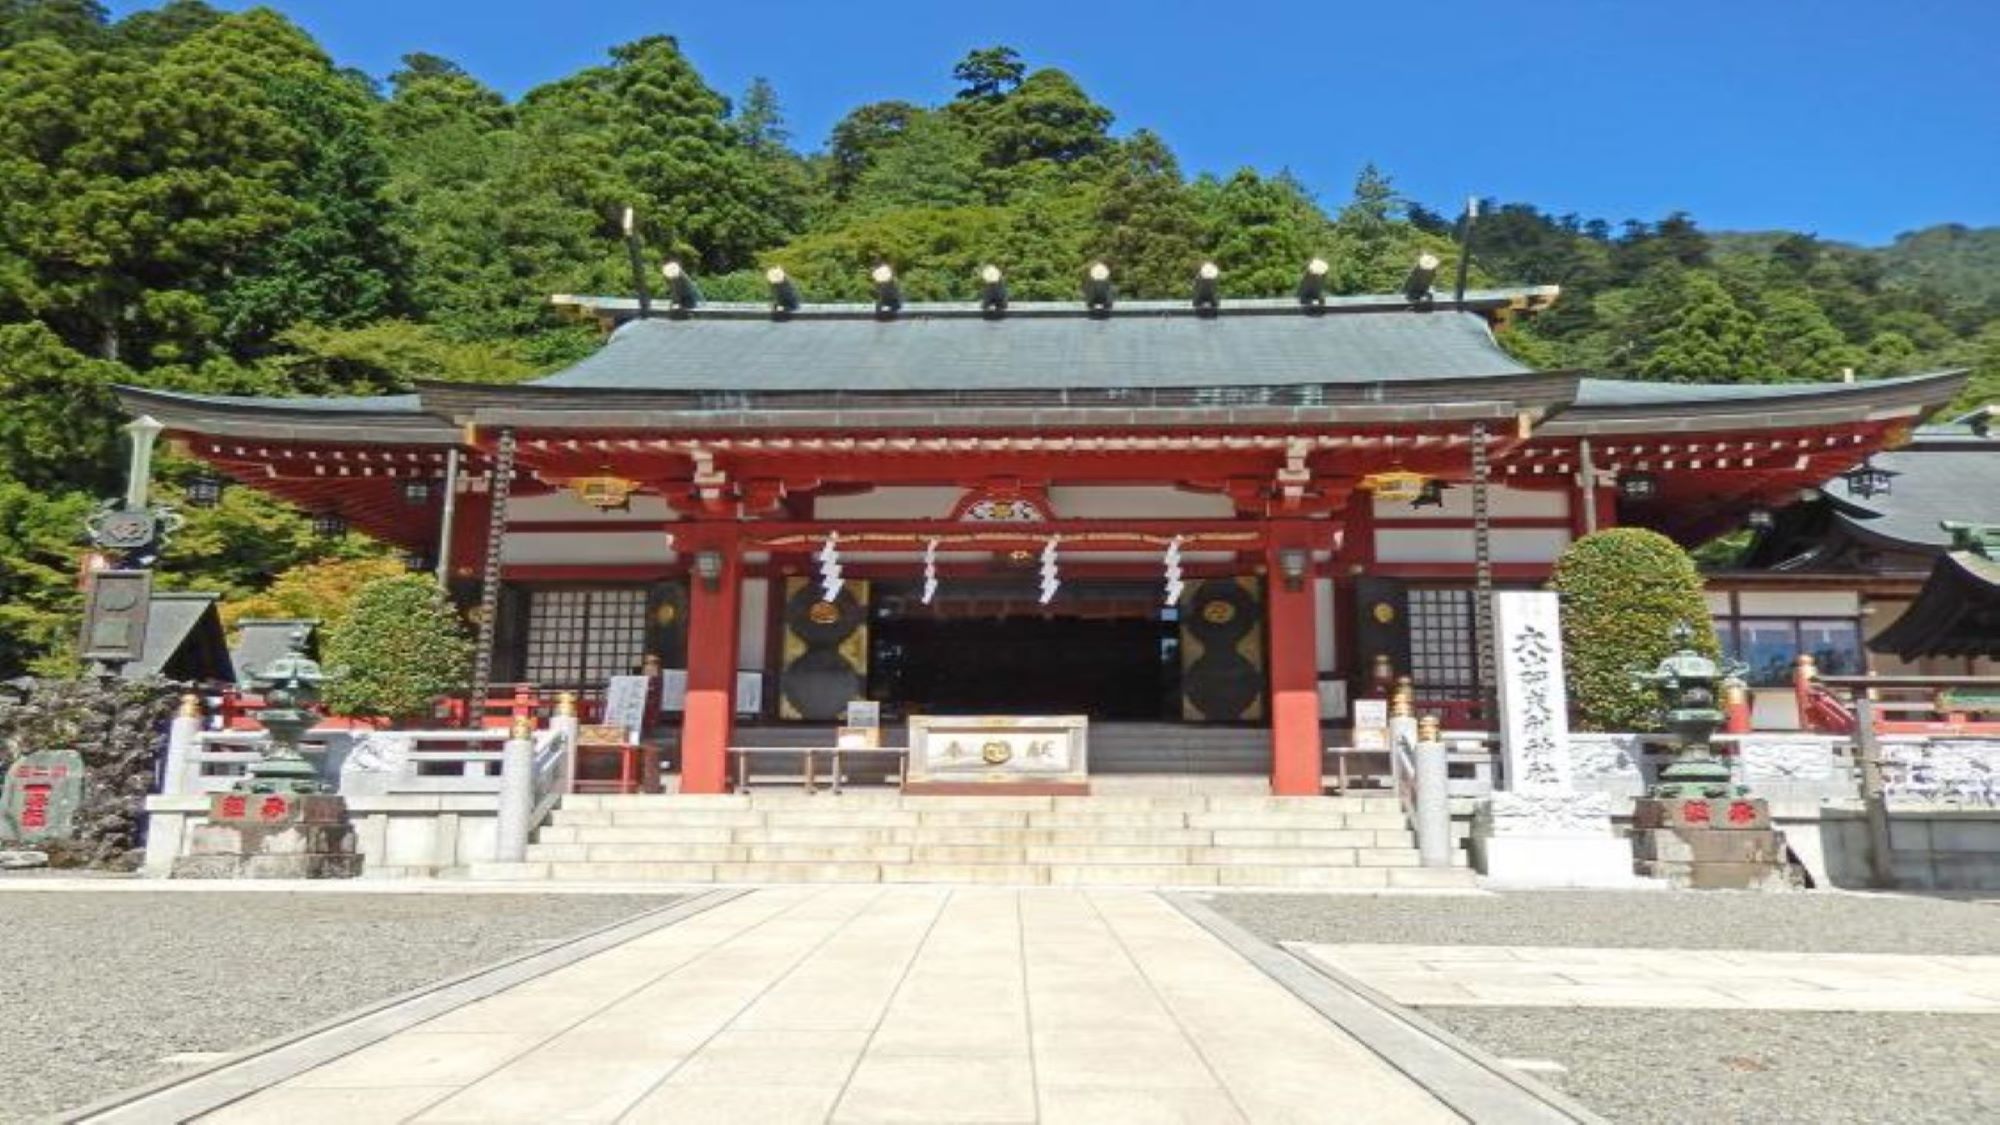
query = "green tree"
x=1262 y=230
x=1624 y=590
x=1375 y=209
x=324 y=591
x=340 y=262
x=1712 y=340
x=400 y=649
x=930 y=163
x=76 y=22
x=647 y=131
x=860 y=136
x=1804 y=342
x=59 y=430
x=1047 y=119
x=988 y=74
x=1147 y=227
x=40 y=564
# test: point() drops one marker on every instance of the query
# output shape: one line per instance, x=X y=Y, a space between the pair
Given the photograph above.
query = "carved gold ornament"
x=1384 y=612
x=823 y=613
x=999 y=510
x=603 y=492
x=996 y=752
x=1218 y=613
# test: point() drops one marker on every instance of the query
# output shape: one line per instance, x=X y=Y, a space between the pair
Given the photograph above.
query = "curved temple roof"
x=1355 y=359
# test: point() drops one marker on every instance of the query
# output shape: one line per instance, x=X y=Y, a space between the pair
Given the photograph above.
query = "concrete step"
x=1013 y=874
x=1016 y=853
x=879 y=800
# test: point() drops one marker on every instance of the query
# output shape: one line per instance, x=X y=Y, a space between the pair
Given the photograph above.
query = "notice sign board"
x=40 y=797
x=625 y=705
x=1371 y=724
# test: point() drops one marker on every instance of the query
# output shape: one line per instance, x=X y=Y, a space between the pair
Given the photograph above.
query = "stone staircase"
x=1207 y=840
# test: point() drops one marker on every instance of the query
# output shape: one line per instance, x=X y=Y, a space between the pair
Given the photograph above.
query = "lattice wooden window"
x=1444 y=647
x=583 y=636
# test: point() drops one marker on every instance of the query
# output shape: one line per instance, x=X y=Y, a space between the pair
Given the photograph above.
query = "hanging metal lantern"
x=329 y=525
x=1638 y=486
x=204 y=490
x=417 y=493
x=1867 y=481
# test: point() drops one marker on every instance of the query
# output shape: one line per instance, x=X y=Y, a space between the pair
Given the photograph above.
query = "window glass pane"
x=1768 y=646
x=1725 y=635
x=1835 y=645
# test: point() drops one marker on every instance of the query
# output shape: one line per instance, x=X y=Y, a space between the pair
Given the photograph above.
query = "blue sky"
x=1853 y=118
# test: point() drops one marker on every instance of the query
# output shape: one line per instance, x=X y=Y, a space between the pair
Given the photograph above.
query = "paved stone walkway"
x=876 y=1004
x=1549 y=977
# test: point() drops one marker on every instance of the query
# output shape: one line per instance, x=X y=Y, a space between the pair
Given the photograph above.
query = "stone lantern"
x=291 y=687
x=1697 y=828
x=1690 y=687
x=280 y=821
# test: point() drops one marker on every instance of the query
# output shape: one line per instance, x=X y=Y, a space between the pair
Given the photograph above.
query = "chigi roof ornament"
x=1098 y=295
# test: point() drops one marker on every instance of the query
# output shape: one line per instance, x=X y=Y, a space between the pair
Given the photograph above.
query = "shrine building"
x=1221 y=515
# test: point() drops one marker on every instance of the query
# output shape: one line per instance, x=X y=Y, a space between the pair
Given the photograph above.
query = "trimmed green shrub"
x=1623 y=591
x=399 y=650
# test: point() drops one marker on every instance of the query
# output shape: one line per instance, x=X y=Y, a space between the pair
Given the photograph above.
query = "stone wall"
x=398 y=836
x=120 y=729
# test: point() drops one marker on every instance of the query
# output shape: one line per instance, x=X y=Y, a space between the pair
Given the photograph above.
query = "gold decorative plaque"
x=1394 y=485
x=603 y=492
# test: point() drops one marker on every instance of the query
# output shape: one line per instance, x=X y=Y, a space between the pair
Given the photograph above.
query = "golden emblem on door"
x=996 y=752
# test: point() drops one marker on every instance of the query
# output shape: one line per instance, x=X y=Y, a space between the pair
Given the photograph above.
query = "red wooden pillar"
x=713 y=607
x=1293 y=620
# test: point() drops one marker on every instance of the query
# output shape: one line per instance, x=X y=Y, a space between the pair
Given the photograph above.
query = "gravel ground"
x=99 y=987
x=1819 y=922
x=1670 y=1068
x=1647 y=1066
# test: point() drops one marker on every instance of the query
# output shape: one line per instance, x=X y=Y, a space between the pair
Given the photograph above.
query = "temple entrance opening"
x=1107 y=649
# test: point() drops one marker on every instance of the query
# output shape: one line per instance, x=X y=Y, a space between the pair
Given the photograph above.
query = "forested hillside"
x=204 y=201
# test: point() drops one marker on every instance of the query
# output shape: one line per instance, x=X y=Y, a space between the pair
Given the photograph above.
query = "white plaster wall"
x=563 y=505
x=1798 y=603
x=913 y=503
x=1138 y=503
x=1454 y=545
x=1718 y=602
x=1501 y=503
x=753 y=608
x=557 y=548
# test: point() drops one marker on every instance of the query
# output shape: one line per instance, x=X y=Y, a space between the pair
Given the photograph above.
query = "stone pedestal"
x=1550 y=840
x=1709 y=843
x=272 y=836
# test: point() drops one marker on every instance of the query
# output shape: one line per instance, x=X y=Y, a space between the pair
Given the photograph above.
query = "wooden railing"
x=1921 y=705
